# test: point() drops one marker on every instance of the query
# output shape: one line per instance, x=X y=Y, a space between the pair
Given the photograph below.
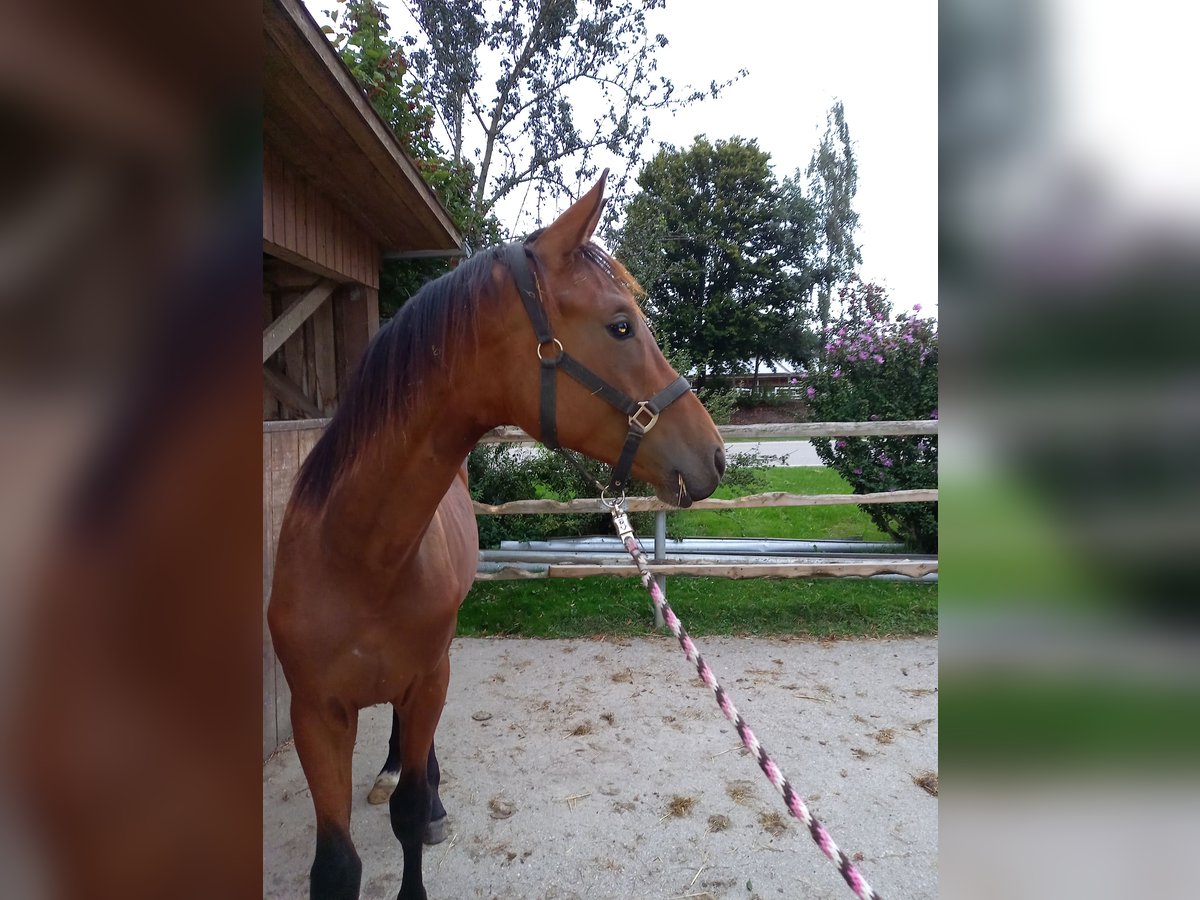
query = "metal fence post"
x=660 y=555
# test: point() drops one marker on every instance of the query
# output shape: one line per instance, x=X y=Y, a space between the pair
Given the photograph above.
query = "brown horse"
x=379 y=546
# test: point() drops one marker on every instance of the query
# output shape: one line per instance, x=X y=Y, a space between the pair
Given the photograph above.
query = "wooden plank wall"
x=322 y=354
x=301 y=223
x=285 y=446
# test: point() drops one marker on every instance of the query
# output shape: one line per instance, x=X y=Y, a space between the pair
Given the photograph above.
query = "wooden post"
x=353 y=325
x=326 y=375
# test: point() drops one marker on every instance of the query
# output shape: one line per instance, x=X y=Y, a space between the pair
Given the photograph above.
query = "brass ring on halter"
x=558 y=344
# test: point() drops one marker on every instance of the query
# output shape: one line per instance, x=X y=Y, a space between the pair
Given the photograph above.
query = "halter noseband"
x=642 y=414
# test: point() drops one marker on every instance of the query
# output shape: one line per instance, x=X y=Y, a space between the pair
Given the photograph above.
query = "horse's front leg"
x=325 y=744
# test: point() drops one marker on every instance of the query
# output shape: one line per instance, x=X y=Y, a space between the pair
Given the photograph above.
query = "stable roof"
x=316 y=116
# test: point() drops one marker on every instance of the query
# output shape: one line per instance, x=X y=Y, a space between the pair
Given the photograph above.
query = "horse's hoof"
x=382 y=790
x=435 y=831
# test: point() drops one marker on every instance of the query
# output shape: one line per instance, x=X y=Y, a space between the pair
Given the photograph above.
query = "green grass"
x=586 y=607
x=837 y=522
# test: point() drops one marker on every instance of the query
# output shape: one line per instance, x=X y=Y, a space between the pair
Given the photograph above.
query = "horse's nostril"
x=719 y=461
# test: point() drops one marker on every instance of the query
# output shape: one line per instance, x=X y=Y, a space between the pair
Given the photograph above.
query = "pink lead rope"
x=795 y=804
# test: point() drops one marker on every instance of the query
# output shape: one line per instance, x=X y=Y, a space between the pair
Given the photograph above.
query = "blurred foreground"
x=1070 y=230
x=130 y=569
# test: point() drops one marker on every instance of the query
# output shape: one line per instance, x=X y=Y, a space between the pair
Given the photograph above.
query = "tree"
x=722 y=271
x=833 y=181
x=523 y=126
x=880 y=367
x=385 y=72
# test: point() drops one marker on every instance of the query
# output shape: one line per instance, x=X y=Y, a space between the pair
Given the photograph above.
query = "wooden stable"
x=339 y=195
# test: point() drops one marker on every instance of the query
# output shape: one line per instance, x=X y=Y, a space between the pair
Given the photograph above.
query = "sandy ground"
x=603 y=769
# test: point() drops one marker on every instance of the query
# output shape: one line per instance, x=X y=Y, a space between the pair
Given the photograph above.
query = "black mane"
x=414 y=344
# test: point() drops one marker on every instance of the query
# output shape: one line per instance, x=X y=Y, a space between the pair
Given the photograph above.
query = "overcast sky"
x=878 y=56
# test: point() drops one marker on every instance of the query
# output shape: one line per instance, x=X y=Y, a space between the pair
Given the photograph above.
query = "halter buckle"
x=643 y=407
x=556 y=343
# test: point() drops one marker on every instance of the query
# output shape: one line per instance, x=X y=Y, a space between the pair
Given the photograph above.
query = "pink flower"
x=916 y=307
x=837 y=373
x=909 y=338
x=934 y=414
x=839 y=444
x=792 y=381
x=863 y=354
x=811 y=391
x=857 y=470
x=879 y=359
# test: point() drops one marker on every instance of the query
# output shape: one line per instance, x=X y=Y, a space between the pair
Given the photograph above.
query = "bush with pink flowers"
x=881 y=367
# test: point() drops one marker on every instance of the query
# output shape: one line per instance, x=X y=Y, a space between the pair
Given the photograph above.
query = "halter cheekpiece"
x=642 y=414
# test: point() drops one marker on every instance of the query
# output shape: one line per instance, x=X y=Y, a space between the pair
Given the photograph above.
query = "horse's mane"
x=403 y=353
x=442 y=315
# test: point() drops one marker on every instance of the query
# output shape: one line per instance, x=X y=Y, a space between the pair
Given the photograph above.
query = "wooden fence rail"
x=752 y=501
x=832 y=569
x=508 y=434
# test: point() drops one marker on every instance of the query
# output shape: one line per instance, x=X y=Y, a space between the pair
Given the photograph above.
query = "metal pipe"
x=599 y=557
x=725 y=558
x=760 y=546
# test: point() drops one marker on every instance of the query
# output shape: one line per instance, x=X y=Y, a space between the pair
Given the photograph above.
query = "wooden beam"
x=295 y=425
x=754 y=501
x=310 y=265
x=510 y=434
x=289 y=392
x=805 y=430
x=285 y=326
x=281 y=275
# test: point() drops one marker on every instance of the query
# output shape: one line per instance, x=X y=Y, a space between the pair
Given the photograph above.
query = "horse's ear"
x=573 y=228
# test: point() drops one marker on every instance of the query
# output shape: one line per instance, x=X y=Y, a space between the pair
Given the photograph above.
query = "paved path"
x=793 y=453
x=588 y=743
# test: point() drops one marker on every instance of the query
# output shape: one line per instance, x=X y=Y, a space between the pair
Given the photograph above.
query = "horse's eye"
x=621 y=330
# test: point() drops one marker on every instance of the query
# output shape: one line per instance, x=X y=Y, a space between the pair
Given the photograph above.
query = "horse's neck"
x=380 y=510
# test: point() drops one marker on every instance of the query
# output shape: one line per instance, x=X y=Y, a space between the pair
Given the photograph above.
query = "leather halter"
x=642 y=414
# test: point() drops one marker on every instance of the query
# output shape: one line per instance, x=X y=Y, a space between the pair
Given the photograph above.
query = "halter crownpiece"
x=641 y=414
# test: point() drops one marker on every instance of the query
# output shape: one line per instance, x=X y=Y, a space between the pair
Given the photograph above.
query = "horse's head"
x=594 y=323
